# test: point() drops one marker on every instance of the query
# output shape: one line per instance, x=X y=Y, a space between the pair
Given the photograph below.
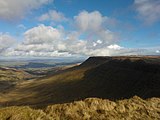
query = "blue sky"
x=79 y=27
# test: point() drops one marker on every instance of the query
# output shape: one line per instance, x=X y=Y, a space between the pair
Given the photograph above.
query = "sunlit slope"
x=11 y=74
x=43 y=91
x=9 y=77
x=102 y=77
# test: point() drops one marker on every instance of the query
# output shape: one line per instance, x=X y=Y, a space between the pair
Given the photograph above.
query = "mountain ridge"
x=103 y=77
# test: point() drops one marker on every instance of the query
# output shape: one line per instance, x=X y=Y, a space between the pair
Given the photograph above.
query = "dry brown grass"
x=90 y=109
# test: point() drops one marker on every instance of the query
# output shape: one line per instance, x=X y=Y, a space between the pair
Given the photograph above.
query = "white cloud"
x=21 y=26
x=16 y=9
x=99 y=42
x=115 y=47
x=87 y=39
x=53 y=15
x=157 y=51
x=48 y=41
x=40 y=41
x=93 y=25
x=148 y=10
x=86 y=21
x=6 y=41
x=41 y=34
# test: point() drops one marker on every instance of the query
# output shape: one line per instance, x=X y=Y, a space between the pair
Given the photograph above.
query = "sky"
x=68 y=28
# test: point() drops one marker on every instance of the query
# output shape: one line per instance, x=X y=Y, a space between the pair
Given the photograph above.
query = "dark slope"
x=102 y=77
x=118 y=79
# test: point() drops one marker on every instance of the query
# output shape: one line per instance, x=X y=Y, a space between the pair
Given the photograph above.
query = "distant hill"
x=39 y=65
x=35 y=65
x=103 y=77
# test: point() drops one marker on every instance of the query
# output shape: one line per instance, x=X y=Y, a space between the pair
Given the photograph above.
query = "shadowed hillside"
x=103 y=77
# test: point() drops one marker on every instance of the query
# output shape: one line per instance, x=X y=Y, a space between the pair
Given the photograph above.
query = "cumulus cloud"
x=48 y=41
x=53 y=15
x=148 y=10
x=91 y=37
x=41 y=34
x=157 y=51
x=115 y=47
x=6 y=41
x=16 y=9
x=86 y=21
x=93 y=25
x=40 y=41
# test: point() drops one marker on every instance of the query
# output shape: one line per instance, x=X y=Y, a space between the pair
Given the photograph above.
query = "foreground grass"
x=89 y=109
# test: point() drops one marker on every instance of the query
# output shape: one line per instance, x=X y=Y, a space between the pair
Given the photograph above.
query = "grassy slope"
x=89 y=109
x=42 y=91
x=9 y=77
x=9 y=74
x=113 y=78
